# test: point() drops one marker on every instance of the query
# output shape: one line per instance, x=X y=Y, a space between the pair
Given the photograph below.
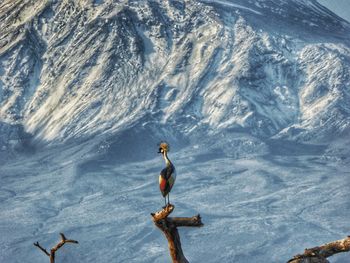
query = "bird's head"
x=163 y=147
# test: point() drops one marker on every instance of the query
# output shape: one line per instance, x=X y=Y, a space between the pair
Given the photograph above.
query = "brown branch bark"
x=41 y=248
x=168 y=225
x=186 y=221
x=55 y=248
x=319 y=254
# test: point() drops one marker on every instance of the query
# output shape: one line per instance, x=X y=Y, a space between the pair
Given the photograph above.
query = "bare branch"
x=55 y=248
x=165 y=212
x=168 y=225
x=72 y=241
x=41 y=248
x=195 y=221
x=62 y=242
x=68 y=240
x=319 y=254
x=63 y=237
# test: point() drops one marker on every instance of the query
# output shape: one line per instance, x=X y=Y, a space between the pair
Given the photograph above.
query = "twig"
x=41 y=248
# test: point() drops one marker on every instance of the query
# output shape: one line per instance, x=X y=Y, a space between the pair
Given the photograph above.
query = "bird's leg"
x=164 y=201
x=168 y=198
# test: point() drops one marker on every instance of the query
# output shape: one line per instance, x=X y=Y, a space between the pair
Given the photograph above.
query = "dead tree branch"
x=55 y=248
x=168 y=225
x=41 y=248
x=319 y=254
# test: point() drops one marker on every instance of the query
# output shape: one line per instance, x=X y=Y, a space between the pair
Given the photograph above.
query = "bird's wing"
x=162 y=183
x=169 y=171
x=164 y=173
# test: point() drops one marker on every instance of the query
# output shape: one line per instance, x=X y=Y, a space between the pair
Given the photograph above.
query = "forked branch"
x=168 y=225
x=319 y=254
x=55 y=248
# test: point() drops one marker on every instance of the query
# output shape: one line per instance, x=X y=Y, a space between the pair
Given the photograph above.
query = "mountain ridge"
x=79 y=69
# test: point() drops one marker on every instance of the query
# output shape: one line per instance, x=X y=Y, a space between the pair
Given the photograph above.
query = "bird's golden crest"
x=164 y=146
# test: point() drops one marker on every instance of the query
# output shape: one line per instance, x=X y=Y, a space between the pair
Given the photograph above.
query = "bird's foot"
x=167 y=205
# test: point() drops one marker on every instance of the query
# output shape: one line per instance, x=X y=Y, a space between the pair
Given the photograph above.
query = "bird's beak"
x=159 y=151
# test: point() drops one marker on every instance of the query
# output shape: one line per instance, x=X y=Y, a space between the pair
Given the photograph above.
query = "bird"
x=167 y=176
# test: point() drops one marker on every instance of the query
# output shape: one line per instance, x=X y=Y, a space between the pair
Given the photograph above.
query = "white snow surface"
x=254 y=209
x=253 y=97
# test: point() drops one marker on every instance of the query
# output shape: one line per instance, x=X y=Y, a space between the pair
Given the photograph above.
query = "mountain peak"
x=76 y=69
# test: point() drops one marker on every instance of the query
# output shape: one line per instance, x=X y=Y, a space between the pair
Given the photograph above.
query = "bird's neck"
x=166 y=159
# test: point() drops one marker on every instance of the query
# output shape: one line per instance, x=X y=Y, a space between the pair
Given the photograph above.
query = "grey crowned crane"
x=168 y=174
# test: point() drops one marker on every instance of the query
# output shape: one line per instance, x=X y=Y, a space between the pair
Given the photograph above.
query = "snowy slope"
x=75 y=69
x=252 y=95
x=255 y=209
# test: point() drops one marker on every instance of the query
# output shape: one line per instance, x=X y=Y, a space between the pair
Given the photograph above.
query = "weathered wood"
x=319 y=254
x=55 y=248
x=168 y=225
x=186 y=221
x=165 y=212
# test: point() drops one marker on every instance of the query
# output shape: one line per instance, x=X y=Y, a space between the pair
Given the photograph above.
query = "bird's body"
x=167 y=179
x=167 y=176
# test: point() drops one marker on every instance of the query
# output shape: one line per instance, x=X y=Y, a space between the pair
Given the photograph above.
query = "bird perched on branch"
x=168 y=174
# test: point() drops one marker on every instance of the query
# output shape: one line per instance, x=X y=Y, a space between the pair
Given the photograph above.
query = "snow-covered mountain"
x=76 y=69
x=253 y=96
